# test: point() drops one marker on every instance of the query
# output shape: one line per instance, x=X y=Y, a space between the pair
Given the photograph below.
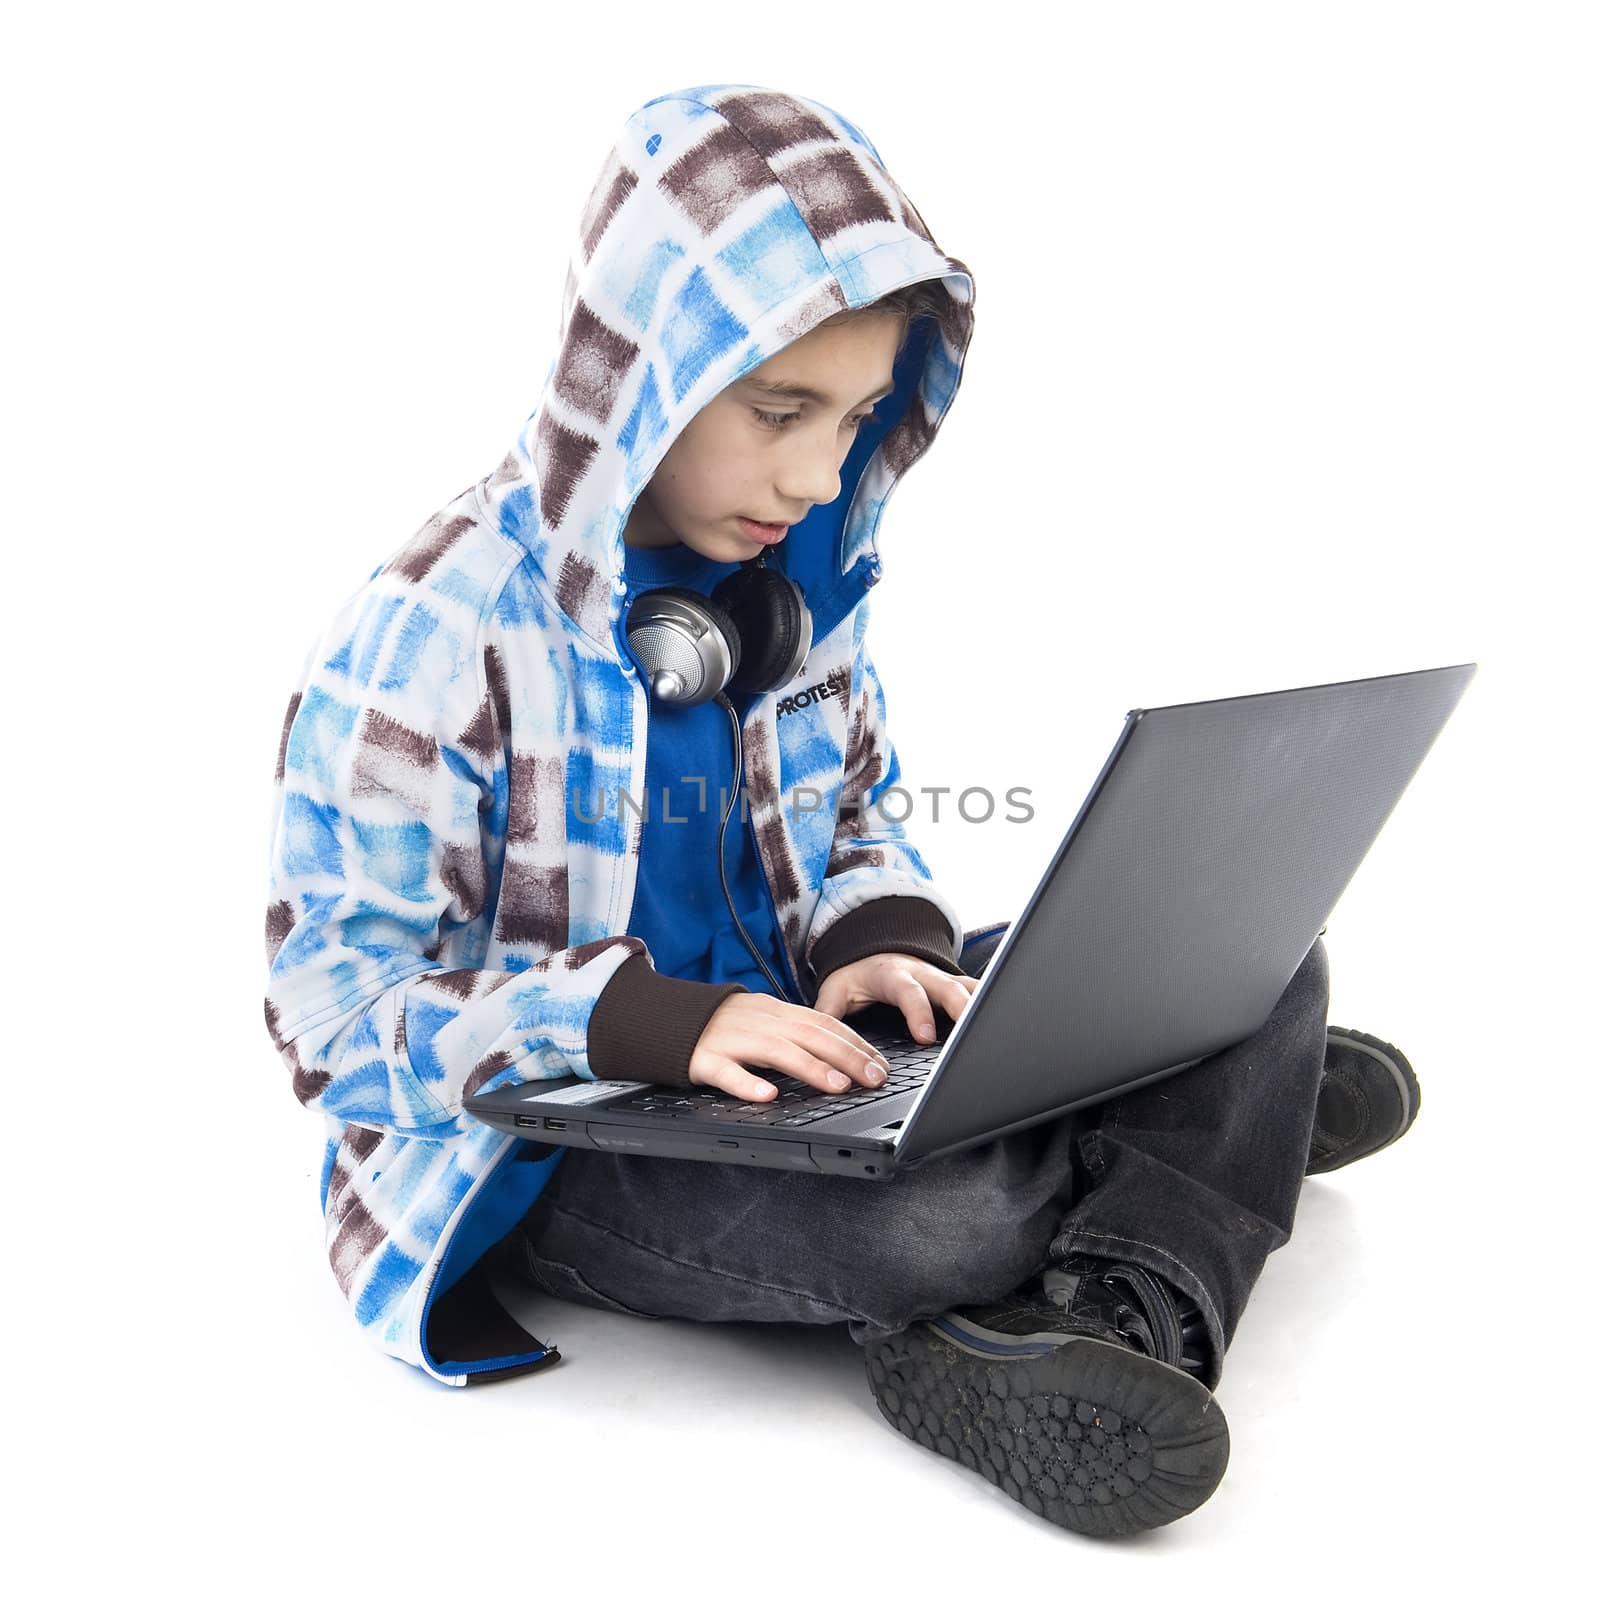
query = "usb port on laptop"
x=521 y=1121
x=550 y=1122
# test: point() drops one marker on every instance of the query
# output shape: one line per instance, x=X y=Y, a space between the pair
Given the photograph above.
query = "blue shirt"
x=678 y=909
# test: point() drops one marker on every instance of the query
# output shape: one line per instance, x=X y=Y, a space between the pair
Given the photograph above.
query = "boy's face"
x=752 y=452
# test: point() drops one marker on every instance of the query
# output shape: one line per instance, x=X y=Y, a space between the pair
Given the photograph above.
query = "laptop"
x=1206 y=860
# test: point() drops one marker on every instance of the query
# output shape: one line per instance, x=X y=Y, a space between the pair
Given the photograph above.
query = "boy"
x=471 y=888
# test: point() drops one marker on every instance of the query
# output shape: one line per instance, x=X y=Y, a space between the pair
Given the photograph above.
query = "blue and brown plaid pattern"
x=452 y=870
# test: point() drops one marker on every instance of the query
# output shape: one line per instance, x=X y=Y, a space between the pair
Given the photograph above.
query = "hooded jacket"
x=449 y=899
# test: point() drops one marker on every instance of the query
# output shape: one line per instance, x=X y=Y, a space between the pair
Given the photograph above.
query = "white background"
x=1284 y=373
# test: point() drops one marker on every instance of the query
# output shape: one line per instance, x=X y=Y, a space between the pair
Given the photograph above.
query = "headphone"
x=752 y=634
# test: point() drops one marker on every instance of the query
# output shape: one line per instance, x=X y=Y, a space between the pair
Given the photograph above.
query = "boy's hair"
x=925 y=299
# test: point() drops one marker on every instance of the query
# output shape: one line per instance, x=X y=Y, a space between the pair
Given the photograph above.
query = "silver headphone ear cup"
x=685 y=643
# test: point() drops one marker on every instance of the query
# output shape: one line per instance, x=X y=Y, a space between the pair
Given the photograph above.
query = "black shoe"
x=1065 y=1397
x=1369 y=1097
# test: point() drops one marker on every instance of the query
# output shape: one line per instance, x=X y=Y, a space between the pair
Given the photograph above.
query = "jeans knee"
x=998 y=1247
x=1313 y=974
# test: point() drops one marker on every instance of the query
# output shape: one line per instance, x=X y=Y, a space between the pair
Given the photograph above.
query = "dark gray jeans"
x=1196 y=1177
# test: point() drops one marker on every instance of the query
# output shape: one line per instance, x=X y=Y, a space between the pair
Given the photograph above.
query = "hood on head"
x=727 y=221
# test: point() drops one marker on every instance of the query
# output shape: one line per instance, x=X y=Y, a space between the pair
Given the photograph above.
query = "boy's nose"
x=811 y=481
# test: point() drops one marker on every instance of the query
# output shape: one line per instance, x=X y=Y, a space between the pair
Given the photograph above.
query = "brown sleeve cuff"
x=902 y=923
x=646 y=1025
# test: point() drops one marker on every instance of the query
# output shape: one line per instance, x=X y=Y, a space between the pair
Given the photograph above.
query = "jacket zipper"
x=772 y=906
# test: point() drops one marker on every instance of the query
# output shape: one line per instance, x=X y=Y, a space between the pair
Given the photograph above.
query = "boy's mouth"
x=765 y=532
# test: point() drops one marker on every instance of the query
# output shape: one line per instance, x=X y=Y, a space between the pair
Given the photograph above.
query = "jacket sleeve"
x=645 y=1025
x=877 y=893
x=391 y=815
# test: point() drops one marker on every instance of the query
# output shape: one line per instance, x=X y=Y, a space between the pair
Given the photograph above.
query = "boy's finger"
x=863 y=1065
x=743 y=1085
x=820 y=1059
x=911 y=1000
x=790 y=1056
x=845 y=1034
x=959 y=995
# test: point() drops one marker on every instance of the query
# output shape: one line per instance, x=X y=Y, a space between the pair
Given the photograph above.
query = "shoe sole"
x=1088 y=1435
x=1405 y=1081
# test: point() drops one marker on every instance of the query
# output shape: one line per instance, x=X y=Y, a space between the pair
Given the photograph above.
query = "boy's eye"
x=776 y=419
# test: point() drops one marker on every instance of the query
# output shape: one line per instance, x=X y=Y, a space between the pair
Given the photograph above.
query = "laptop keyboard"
x=798 y=1104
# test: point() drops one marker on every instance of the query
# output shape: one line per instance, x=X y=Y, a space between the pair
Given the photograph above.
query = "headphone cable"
x=722 y=872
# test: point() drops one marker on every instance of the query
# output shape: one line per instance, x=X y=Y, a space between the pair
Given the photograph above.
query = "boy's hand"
x=762 y=1030
x=908 y=983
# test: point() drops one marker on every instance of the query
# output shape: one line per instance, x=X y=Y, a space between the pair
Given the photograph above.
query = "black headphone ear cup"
x=682 y=633
x=773 y=624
